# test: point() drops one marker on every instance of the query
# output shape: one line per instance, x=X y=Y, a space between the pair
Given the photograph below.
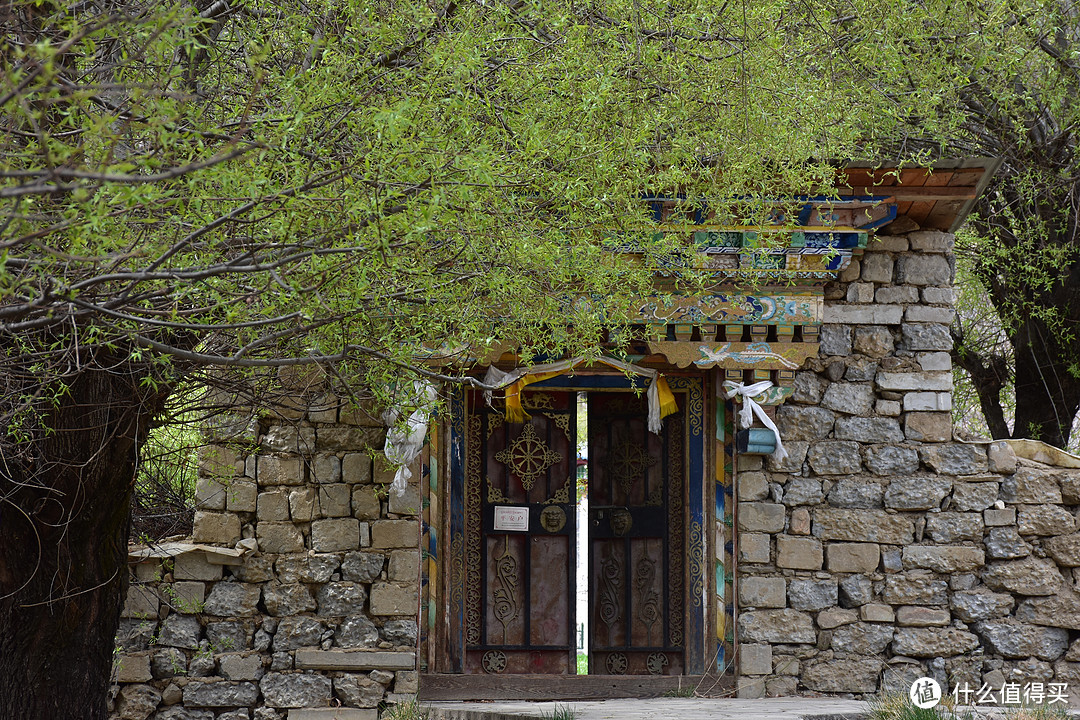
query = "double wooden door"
x=521 y=545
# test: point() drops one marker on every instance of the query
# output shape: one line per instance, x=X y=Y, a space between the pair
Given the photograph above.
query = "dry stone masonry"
x=883 y=550
x=297 y=595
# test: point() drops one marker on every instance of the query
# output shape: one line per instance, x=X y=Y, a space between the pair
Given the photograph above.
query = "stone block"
x=1030 y=576
x=877 y=268
x=876 y=612
x=860 y=292
x=186 y=596
x=1006 y=543
x=923 y=270
x=216 y=528
x=274 y=470
x=406 y=681
x=891 y=460
x=793 y=463
x=812 y=593
x=217 y=461
x=195 y=566
x=279 y=537
x=755 y=659
x=365 y=502
x=758 y=517
x=980 y=604
x=180 y=631
x=393 y=599
x=395 y=534
x=912 y=588
x=835 y=457
x=894 y=242
x=951 y=527
x=354 y=660
x=854 y=674
x=928 y=402
x=868 y=429
x=887 y=408
x=762 y=592
x=1031 y=486
x=356 y=468
x=931 y=241
x=1011 y=638
x=358 y=691
x=339 y=599
x=404 y=566
x=853 y=557
x=975 y=496
x=1045 y=520
x=835 y=617
x=133 y=668
x=754 y=548
x=810 y=424
x=295 y=690
x=943 y=559
x=292 y=599
x=749 y=687
x=232 y=599
x=210 y=494
x=916 y=493
x=939 y=296
x=996 y=518
x=776 y=626
x=835 y=340
x=808 y=388
x=802 y=491
x=928 y=314
x=862 y=638
x=874 y=341
x=856 y=493
x=1001 y=457
x=298 y=631
x=753 y=486
x=799 y=522
x=303 y=505
x=1061 y=610
x=341 y=713
x=928 y=426
x=408 y=503
x=1065 y=550
x=239 y=667
x=931 y=361
x=855 y=590
x=849 y=398
x=897 y=295
x=272 y=506
x=333 y=500
x=926 y=336
x=915 y=616
x=933 y=642
x=241 y=496
x=362 y=566
x=326 y=469
x=913 y=381
x=382 y=471
x=955 y=458
x=335 y=535
x=863 y=314
x=874 y=526
x=798 y=553
x=140 y=602
x=290 y=439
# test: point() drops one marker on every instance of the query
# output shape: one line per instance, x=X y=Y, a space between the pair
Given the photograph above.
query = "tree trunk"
x=1047 y=393
x=64 y=517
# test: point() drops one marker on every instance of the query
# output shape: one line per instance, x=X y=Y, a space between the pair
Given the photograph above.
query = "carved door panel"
x=520 y=532
x=636 y=538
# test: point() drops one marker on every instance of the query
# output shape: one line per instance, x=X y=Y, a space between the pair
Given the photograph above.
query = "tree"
x=199 y=195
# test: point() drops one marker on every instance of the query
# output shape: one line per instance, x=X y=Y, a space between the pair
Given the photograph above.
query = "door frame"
x=442 y=625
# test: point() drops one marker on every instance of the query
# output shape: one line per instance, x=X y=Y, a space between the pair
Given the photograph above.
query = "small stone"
x=950 y=527
x=761 y=517
x=296 y=690
x=835 y=617
x=232 y=599
x=282 y=600
x=996 y=518
x=776 y=626
x=1045 y=520
x=891 y=460
x=1001 y=458
x=855 y=590
x=799 y=523
x=928 y=426
x=808 y=424
x=854 y=674
x=914 y=588
x=356 y=632
x=1013 y=639
x=873 y=340
x=868 y=430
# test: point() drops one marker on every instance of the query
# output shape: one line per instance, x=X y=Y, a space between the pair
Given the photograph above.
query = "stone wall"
x=882 y=550
x=297 y=595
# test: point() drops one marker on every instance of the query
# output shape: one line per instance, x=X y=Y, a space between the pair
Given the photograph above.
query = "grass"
x=410 y=710
x=560 y=712
x=899 y=707
x=582 y=664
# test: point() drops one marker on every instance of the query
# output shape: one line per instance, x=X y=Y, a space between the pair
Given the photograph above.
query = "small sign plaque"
x=514 y=519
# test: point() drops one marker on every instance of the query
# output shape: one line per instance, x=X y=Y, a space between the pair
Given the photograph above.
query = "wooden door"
x=636 y=538
x=520 y=497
